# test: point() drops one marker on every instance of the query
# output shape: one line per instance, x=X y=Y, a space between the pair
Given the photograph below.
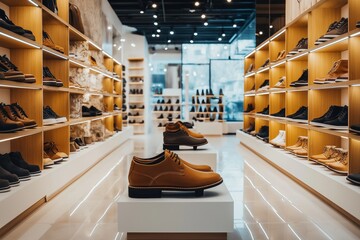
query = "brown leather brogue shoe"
x=203 y=168
x=168 y=173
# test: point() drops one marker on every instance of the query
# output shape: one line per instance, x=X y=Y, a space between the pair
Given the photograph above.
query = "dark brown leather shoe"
x=168 y=173
x=175 y=135
x=203 y=168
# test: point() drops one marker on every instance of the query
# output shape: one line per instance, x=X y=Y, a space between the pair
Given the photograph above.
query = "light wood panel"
x=108 y=85
x=274 y=128
x=28 y=61
x=109 y=64
x=109 y=104
x=58 y=33
x=249 y=83
x=30 y=148
x=275 y=48
x=118 y=122
x=293 y=36
x=354 y=58
x=293 y=133
x=354 y=153
x=259 y=123
x=354 y=6
x=260 y=57
x=260 y=78
x=277 y=102
x=321 y=140
x=249 y=100
x=63 y=9
x=321 y=100
x=262 y=101
x=109 y=123
x=247 y=121
x=295 y=100
x=354 y=106
x=294 y=69
x=321 y=63
x=61 y=137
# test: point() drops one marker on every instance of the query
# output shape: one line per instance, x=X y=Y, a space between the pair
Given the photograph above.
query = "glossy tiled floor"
x=268 y=205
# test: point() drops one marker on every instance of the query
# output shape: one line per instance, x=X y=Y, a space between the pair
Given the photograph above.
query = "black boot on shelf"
x=220 y=100
x=203 y=101
x=8 y=165
x=166 y=109
x=161 y=116
x=197 y=100
x=221 y=92
x=171 y=108
x=200 y=109
x=207 y=92
x=177 y=101
x=193 y=100
x=202 y=92
x=169 y=101
x=178 y=109
x=215 y=109
x=197 y=92
x=155 y=109
x=192 y=109
x=211 y=92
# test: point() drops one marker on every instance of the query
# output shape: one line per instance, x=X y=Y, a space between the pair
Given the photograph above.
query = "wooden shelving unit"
x=30 y=57
x=318 y=59
x=136 y=81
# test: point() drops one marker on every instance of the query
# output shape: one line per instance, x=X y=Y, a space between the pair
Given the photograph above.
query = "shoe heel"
x=171 y=147
x=144 y=193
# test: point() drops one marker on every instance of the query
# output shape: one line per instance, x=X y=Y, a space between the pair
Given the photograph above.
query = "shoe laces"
x=20 y=110
x=48 y=108
x=8 y=63
x=175 y=157
x=3 y=112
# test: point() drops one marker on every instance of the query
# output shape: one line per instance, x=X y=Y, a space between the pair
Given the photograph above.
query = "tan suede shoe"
x=342 y=165
x=168 y=173
x=297 y=145
x=335 y=157
x=203 y=168
x=327 y=153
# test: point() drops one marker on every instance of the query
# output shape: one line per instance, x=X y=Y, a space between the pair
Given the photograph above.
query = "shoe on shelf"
x=297 y=145
x=340 y=29
x=49 y=79
x=8 y=165
x=6 y=124
x=221 y=93
x=251 y=68
x=250 y=108
x=338 y=73
x=250 y=128
x=20 y=115
x=176 y=135
x=7 y=73
x=264 y=86
x=280 y=113
x=266 y=63
x=28 y=78
x=53 y=114
x=91 y=112
x=47 y=41
x=354 y=177
x=298 y=112
x=355 y=128
x=281 y=55
x=265 y=111
x=341 y=166
x=184 y=178
x=331 y=114
x=52 y=151
x=280 y=83
x=302 y=45
x=18 y=160
x=6 y=23
x=12 y=178
x=4 y=185
x=47 y=161
x=302 y=117
x=322 y=39
x=302 y=81
x=263 y=132
x=279 y=140
x=341 y=120
x=197 y=92
x=303 y=150
x=327 y=153
x=337 y=154
x=51 y=5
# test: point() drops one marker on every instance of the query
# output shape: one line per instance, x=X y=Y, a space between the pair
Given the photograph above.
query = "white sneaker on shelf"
x=279 y=140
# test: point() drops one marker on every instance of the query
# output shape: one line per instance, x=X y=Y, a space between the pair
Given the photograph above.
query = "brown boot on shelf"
x=28 y=78
x=6 y=124
x=303 y=151
x=47 y=161
x=47 y=41
x=335 y=157
x=297 y=145
x=338 y=73
x=88 y=140
x=327 y=153
x=280 y=55
x=342 y=165
x=72 y=147
x=52 y=150
x=22 y=116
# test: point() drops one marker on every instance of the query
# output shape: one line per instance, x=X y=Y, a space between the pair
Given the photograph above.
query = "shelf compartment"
x=277 y=102
x=274 y=128
x=52 y=54
x=293 y=132
x=60 y=69
x=354 y=153
x=18 y=3
x=58 y=101
x=50 y=17
x=11 y=40
x=12 y=84
x=276 y=74
x=261 y=102
x=295 y=100
x=294 y=70
x=322 y=139
x=4 y=137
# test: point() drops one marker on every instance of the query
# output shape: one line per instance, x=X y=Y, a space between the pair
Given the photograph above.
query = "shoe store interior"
x=179 y=120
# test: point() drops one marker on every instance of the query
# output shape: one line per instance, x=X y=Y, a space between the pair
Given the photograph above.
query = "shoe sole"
x=11 y=130
x=177 y=146
x=34 y=174
x=26 y=178
x=49 y=121
x=354 y=131
x=337 y=171
x=334 y=127
x=300 y=156
x=156 y=192
x=5 y=189
x=352 y=181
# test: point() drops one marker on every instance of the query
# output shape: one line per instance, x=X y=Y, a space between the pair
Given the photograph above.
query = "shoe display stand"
x=125 y=91
x=136 y=82
x=178 y=216
x=318 y=59
x=166 y=107
x=53 y=180
x=30 y=57
x=200 y=102
x=209 y=128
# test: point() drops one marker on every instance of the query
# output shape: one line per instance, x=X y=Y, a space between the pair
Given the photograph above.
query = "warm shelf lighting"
x=33 y=3
x=19 y=40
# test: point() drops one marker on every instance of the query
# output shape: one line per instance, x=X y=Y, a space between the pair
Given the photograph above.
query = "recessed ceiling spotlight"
x=219 y=39
x=261 y=33
x=153 y=35
x=133 y=44
x=271 y=26
x=206 y=23
x=142 y=12
x=158 y=30
x=172 y=32
x=155 y=23
x=197 y=3
x=169 y=41
x=109 y=27
x=223 y=34
x=114 y=45
x=195 y=33
x=203 y=16
x=229 y=1
x=154 y=5
x=154 y=16
x=234 y=25
x=157 y=35
x=191 y=41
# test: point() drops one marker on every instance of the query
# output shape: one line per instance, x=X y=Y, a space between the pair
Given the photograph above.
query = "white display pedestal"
x=179 y=216
x=209 y=128
x=203 y=155
x=175 y=215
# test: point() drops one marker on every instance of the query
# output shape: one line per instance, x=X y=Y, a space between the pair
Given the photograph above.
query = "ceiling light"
x=109 y=27
x=271 y=26
x=153 y=35
x=219 y=39
x=114 y=45
x=157 y=35
x=169 y=41
x=229 y=1
x=154 y=5
x=206 y=23
x=191 y=41
x=155 y=23
x=172 y=32
x=195 y=33
x=122 y=40
x=166 y=48
x=203 y=15
x=133 y=44
x=197 y=3
x=223 y=34
x=234 y=25
x=261 y=33
x=192 y=10
x=154 y=16
x=158 y=30
x=141 y=12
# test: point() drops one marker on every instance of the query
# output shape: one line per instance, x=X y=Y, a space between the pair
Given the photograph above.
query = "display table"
x=209 y=128
x=178 y=215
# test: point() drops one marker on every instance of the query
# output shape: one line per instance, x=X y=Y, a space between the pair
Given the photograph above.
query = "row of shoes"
x=171 y=109
x=336 y=117
x=158 y=90
x=47 y=41
x=134 y=114
x=134 y=121
x=50 y=117
x=265 y=64
x=301 y=46
x=79 y=143
x=52 y=155
x=116 y=107
x=208 y=92
x=205 y=110
x=13 y=169
x=159 y=101
x=334 y=158
x=13 y=118
x=6 y=23
x=136 y=91
x=91 y=111
x=262 y=134
x=136 y=106
x=10 y=72
x=136 y=79
x=169 y=116
x=211 y=117
x=50 y=80
x=203 y=101
x=335 y=29
x=265 y=85
x=338 y=73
